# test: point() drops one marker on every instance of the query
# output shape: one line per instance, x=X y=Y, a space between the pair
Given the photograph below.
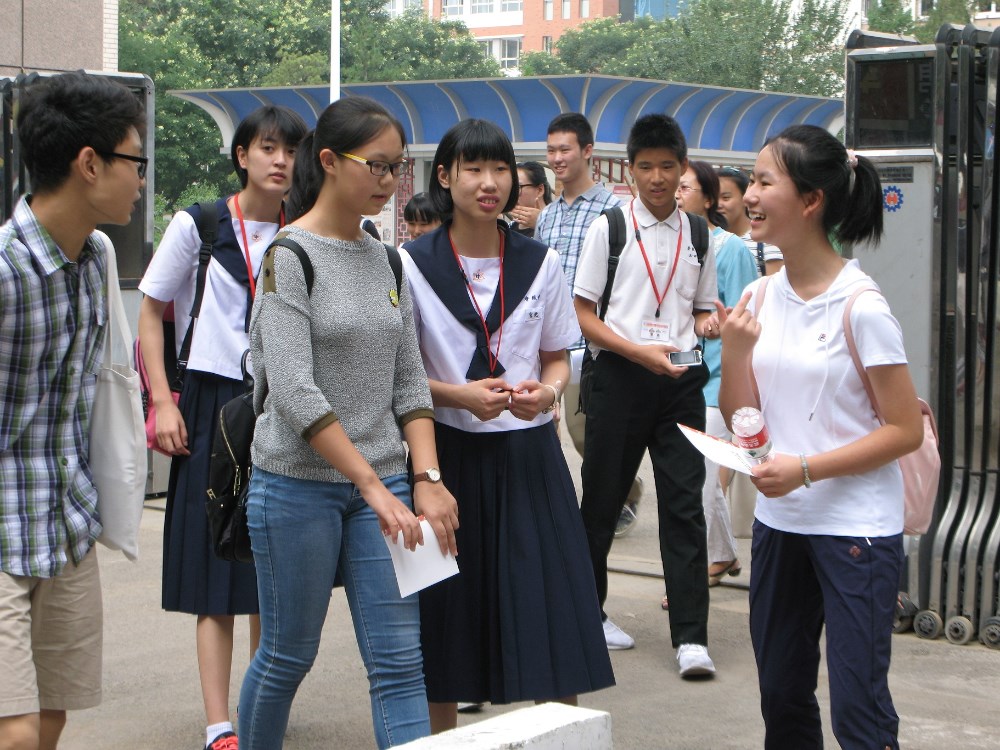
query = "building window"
x=547 y=9
x=508 y=6
x=584 y=8
x=510 y=53
x=451 y=7
x=396 y=8
x=547 y=44
x=486 y=46
x=926 y=6
x=482 y=6
x=566 y=5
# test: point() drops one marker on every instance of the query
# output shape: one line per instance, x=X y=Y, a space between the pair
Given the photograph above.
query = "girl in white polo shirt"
x=494 y=318
x=827 y=543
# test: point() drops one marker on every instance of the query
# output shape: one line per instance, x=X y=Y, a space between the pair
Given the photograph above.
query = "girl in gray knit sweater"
x=339 y=378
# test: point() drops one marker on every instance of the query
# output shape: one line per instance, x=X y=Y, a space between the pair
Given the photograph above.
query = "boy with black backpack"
x=641 y=387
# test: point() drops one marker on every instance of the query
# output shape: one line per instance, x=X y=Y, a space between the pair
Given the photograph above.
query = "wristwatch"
x=432 y=475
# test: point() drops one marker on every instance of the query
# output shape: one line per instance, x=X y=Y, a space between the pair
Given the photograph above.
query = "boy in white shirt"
x=660 y=303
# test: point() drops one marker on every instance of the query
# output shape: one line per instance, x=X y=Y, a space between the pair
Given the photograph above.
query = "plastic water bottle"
x=750 y=434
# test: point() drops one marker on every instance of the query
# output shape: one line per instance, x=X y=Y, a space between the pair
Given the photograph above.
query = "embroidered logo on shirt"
x=478 y=276
x=822 y=337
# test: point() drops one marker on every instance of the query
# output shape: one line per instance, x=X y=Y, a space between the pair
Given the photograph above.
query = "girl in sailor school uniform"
x=494 y=318
x=194 y=579
x=827 y=540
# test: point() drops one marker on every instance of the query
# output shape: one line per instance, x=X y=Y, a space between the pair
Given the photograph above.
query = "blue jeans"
x=302 y=532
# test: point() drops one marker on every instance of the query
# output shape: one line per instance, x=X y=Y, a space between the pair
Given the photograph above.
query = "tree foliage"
x=754 y=44
x=890 y=16
x=944 y=11
x=202 y=44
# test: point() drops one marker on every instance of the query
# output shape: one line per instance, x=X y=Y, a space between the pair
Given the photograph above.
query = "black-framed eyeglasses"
x=142 y=161
x=524 y=185
x=378 y=168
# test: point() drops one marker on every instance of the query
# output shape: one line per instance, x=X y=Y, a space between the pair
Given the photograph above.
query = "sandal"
x=732 y=568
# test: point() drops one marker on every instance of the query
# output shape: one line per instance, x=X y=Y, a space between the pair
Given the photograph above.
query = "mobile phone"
x=683 y=359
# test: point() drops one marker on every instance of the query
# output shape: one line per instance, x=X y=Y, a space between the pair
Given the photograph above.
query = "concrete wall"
x=58 y=35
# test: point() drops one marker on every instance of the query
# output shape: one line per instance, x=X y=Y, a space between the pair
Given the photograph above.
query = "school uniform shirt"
x=540 y=318
x=632 y=305
x=734 y=271
x=219 y=339
x=813 y=401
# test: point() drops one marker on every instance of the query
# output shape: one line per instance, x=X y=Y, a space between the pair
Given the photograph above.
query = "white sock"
x=216 y=729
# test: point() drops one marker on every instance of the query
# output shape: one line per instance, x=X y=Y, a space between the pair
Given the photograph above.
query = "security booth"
x=133 y=242
x=925 y=115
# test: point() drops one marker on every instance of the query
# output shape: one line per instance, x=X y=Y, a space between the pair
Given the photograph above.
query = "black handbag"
x=229 y=480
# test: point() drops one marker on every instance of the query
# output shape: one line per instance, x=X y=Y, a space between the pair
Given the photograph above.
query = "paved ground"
x=945 y=694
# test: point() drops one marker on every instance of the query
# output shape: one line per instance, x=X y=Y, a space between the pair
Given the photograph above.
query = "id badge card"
x=654 y=330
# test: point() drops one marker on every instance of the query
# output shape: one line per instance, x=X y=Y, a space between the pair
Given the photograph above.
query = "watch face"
x=434 y=475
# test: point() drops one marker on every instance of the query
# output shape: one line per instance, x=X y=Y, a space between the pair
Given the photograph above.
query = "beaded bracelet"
x=806 y=481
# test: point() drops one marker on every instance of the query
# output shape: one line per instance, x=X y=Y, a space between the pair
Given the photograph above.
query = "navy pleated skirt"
x=521 y=620
x=194 y=579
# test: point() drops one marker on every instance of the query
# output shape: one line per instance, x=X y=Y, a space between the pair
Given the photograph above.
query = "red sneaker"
x=225 y=741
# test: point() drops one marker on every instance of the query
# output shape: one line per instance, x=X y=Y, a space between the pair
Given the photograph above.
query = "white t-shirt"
x=219 y=338
x=544 y=320
x=813 y=401
x=632 y=298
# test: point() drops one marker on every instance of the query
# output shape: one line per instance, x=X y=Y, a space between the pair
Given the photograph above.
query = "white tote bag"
x=117 y=430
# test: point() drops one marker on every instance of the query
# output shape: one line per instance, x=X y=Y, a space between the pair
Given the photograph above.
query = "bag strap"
x=208 y=229
x=396 y=263
x=118 y=322
x=283 y=240
x=853 y=349
x=699 y=235
x=616 y=243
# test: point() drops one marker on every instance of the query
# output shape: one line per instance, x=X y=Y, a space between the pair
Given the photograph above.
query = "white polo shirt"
x=632 y=298
x=543 y=320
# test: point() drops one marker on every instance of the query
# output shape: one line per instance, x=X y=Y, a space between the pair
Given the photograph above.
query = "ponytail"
x=307 y=179
x=864 y=219
x=815 y=160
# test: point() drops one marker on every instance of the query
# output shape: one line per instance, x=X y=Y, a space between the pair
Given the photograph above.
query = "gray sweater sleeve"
x=285 y=334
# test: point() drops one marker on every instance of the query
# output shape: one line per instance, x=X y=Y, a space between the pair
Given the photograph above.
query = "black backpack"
x=616 y=242
x=231 y=466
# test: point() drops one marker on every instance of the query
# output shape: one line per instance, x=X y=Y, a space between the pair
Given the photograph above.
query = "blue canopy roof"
x=713 y=118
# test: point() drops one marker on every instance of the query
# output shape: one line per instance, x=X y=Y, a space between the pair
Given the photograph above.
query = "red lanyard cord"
x=492 y=358
x=246 y=245
x=649 y=268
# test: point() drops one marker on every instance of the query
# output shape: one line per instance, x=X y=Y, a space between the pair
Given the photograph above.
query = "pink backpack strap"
x=853 y=349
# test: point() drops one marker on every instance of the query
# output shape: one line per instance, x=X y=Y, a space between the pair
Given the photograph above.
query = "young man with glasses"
x=80 y=140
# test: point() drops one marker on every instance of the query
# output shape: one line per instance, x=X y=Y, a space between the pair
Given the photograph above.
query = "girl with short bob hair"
x=494 y=317
x=421 y=216
x=827 y=540
x=339 y=385
x=195 y=580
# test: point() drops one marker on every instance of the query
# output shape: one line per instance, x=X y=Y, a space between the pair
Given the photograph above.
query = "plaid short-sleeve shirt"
x=52 y=329
x=563 y=226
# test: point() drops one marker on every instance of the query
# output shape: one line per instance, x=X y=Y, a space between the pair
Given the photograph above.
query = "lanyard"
x=649 y=268
x=491 y=357
x=246 y=245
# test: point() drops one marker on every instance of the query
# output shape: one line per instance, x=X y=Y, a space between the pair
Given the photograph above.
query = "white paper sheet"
x=721 y=452
x=424 y=566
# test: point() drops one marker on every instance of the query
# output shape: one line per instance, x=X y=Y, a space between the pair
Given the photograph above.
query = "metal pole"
x=334 y=50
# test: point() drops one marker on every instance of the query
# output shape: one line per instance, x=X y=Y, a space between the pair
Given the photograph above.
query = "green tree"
x=598 y=46
x=542 y=64
x=944 y=11
x=890 y=16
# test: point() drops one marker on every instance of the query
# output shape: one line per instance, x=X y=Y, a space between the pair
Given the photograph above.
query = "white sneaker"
x=693 y=660
x=616 y=638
